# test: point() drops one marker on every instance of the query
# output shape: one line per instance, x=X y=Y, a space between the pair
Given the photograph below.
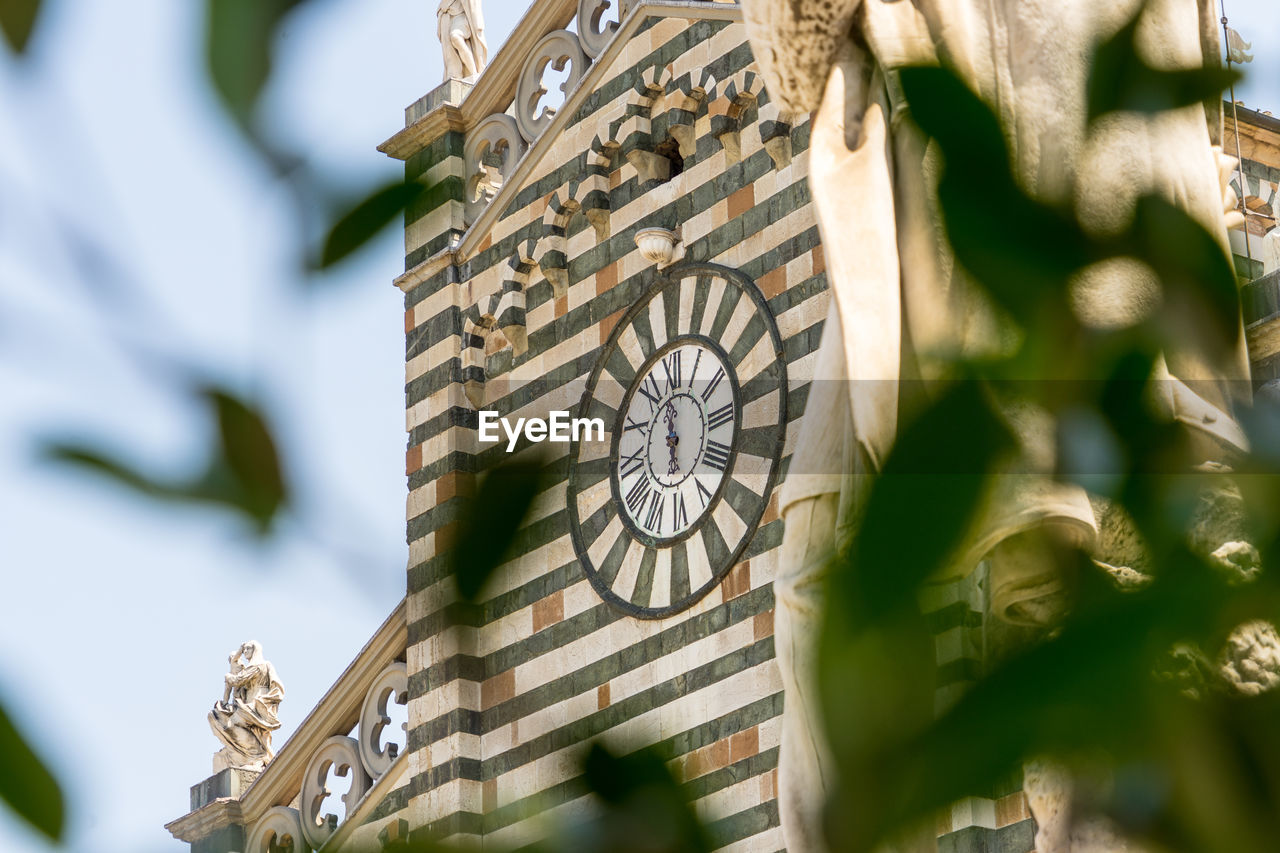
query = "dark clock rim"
x=672 y=276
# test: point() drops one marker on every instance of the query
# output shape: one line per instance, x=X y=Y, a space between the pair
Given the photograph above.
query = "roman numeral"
x=716 y=455
x=638 y=493
x=643 y=426
x=653 y=520
x=654 y=395
x=711 y=386
x=720 y=416
x=631 y=463
x=671 y=366
x=679 y=515
x=702 y=492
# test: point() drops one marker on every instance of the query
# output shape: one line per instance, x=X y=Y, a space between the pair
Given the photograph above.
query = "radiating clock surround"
x=644 y=557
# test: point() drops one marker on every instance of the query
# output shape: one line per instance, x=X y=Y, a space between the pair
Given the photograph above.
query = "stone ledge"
x=206 y=820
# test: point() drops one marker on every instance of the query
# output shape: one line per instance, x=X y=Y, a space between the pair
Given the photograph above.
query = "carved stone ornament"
x=493 y=148
x=657 y=245
x=341 y=754
x=392 y=682
x=594 y=32
x=275 y=830
x=557 y=49
x=247 y=714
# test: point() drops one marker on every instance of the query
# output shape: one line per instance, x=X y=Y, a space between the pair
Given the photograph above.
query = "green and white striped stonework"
x=504 y=695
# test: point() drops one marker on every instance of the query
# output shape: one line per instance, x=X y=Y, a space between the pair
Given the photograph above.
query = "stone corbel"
x=633 y=133
x=686 y=97
x=775 y=132
x=510 y=307
x=474 y=333
x=740 y=92
x=592 y=192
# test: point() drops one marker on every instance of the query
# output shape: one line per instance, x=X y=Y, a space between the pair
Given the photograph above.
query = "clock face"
x=678 y=425
x=691 y=387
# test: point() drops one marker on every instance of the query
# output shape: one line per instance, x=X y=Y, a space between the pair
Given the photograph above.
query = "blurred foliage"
x=1121 y=692
x=1123 y=80
x=1161 y=747
x=490 y=521
x=242 y=472
x=240 y=38
x=17 y=20
x=364 y=220
x=27 y=785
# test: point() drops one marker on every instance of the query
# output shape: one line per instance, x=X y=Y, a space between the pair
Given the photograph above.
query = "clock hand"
x=673 y=466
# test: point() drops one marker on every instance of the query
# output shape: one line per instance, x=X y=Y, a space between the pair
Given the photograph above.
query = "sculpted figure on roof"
x=460 y=24
x=247 y=715
x=901 y=305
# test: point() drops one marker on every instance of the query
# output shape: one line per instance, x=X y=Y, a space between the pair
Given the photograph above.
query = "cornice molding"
x=410 y=279
x=206 y=820
x=424 y=131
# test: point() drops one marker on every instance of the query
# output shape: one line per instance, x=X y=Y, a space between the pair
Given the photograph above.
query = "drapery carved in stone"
x=247 y=714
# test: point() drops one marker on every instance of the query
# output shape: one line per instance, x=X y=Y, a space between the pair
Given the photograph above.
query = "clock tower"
x=644 y=254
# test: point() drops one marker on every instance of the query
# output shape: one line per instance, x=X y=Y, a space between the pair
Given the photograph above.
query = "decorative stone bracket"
x=502 y=310
x=729 y=107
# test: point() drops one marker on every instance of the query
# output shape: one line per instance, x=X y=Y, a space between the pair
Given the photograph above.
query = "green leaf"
x=490 y=521
x=1201 y=310
x=644 y=807
x=238 y=49
x=98 y=462
x=364 y=220
x=1120 y=80
x=1087 y=691
x=249 y=454
x=941 y=461
x=876 y=654
x=242 y=470
x=17 y=21
x=27 y=785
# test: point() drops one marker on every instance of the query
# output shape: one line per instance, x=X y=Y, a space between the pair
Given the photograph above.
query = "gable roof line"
x=690 y=9
x=493 y=89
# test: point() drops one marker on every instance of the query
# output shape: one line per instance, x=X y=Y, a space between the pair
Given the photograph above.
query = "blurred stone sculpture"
x=901 y=308
x=460 y=25
x=247 y=714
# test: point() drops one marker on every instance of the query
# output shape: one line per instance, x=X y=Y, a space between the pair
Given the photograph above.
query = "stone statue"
x=901 y=307
x=246 y=716
x=460 y=24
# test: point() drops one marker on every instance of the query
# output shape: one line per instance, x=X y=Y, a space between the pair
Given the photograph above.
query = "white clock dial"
x=678 y=425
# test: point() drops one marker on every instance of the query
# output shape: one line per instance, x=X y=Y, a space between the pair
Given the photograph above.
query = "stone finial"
x=247 y=714
x=460 y=25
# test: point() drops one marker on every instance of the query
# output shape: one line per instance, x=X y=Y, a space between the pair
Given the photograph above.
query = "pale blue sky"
x=118 y=615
